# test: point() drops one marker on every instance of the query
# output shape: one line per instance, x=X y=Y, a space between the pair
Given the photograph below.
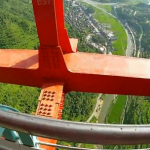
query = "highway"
x=95 y=4
x=130 y=44
x=140 y=39
x=99 y=3
x=133 y=46
x=129 y=49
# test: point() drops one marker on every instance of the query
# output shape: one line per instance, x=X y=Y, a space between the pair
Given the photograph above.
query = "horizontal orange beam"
x=25 y=59
x=20 y=67
x=112 y=65
x=86 y=72
x=108 y=74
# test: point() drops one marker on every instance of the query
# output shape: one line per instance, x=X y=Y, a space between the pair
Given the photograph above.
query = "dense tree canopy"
x=18 y=30
x=90 y=10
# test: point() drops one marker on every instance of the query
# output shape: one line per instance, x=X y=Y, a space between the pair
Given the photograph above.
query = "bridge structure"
x=57 y=67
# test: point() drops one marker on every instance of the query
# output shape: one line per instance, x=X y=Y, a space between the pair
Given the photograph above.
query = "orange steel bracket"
x=51 y=102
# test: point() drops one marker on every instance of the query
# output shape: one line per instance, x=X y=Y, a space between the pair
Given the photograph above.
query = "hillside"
x=138 y=19
x=136 y=110
x=17 y=26
x=112 y=1
x=18 y=30
x=122 y=1
x=143 y=5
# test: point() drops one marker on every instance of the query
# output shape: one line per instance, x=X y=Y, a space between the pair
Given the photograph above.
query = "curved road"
x=99 y=3
x=130 y=44
x=93 y=113
x=129 y=41
x=109 y=98
x=134 y=42
x=140 y=39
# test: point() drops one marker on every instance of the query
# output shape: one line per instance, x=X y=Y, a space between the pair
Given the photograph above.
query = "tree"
x=90 y=10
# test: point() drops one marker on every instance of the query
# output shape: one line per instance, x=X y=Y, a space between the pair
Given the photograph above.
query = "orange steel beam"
x=49 y=17
x=58 y=69
x=85 y=72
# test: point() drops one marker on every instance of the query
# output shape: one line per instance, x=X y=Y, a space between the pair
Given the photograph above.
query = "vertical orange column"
x=63 y=37
x=50 y=105
x=45 y=18
x=49 y=18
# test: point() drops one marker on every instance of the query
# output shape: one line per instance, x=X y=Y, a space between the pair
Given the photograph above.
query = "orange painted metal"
x=58 y=68
x=49 y=19
x=50 y=101
x=82 y=72
x=21 y=59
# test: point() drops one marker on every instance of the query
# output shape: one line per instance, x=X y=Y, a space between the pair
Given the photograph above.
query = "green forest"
x=137 y=111
x=112 y=1
x=18 y=31
x=137 y=108
x=137 y=16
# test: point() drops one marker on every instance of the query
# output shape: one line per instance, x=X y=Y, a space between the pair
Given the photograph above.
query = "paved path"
x=96 y=107
x=93 y=113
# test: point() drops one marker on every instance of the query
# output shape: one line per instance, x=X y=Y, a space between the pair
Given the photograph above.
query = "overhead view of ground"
x=106 y=27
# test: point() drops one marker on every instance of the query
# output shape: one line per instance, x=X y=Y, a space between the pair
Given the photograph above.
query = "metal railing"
x=73 y=131
x=7 y=145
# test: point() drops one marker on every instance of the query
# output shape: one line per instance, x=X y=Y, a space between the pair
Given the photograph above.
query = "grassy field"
x=93 y=120
x=117 y=109
x=90 y=146
x=120 y=47
x=135 y=2
x=106 y=7
x=103 y=96
x=120 y=44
